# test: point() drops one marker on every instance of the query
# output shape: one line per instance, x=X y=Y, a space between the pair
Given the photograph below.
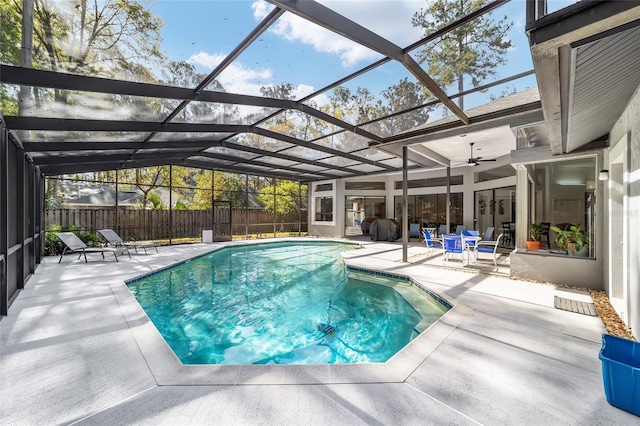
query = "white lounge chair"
x=73 y=244
x=111 y=237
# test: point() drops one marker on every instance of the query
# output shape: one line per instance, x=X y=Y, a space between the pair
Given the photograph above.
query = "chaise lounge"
x=73 y=244
x=111 y=237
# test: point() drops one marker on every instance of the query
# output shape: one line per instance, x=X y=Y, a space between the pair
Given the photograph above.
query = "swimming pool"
x=282 y=303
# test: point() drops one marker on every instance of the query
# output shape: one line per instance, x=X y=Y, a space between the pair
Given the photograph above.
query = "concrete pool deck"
x=72 y=351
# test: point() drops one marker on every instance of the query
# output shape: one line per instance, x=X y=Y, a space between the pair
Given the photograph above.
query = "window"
x=364 y=185
x=495 y=207
x=565 y=195
x=324 y=209
x=431 y=182
x=321 y=187
x=431 y=210
x=324 y=203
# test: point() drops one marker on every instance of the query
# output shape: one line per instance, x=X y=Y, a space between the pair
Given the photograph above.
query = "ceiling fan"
x=475 y=161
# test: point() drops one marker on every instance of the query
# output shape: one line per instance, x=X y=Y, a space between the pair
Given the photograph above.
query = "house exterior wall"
x=558 y=269
x=625 y=286
x=336 y=229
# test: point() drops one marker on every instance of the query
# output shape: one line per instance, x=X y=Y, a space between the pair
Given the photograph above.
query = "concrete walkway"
x=75 y=350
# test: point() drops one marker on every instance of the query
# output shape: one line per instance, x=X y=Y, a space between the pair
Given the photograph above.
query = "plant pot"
x=533 y=245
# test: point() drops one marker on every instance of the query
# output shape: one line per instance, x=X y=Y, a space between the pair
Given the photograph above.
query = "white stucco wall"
x=626 y=131
x=337 y=228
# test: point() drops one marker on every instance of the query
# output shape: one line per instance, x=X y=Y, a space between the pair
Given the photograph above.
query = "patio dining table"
x=469 y=245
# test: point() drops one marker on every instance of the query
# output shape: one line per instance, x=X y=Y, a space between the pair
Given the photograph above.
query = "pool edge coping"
x=167 y=369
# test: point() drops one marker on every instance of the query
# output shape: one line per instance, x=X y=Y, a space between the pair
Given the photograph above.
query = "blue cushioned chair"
x=467 y=243
x=431 y=242
x=451 y=244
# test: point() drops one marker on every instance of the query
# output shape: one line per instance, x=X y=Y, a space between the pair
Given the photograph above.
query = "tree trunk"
x=26 y=59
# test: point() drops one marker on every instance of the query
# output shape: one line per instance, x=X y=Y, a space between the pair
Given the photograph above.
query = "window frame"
x=318 y=195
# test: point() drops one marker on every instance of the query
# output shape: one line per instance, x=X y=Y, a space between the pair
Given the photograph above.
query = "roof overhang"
x=585 y=57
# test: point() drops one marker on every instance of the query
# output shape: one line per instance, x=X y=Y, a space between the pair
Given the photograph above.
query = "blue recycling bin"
x=621 y=372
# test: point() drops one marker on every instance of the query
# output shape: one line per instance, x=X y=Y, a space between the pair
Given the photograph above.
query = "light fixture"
x=603 y=175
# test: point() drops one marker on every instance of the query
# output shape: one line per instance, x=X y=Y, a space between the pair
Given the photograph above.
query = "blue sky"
x=296 y=51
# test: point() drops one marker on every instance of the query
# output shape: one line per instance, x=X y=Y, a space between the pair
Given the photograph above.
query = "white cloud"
x=389 y=18
x=236 y=78
x=261 y=9
x=302 y=90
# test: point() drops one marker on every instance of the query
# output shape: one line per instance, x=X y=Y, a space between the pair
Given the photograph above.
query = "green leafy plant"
x=53 y=246
x=535 y=232
x=571 y=238
x=54 y=199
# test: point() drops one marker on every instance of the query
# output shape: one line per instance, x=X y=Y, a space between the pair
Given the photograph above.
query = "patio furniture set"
x=467 y=242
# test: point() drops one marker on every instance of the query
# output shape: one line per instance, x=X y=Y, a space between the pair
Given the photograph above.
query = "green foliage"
x=233 y=188
x=180 y=206
x=572 y=238
x=10 y=32
x=53 y=246
x=156 y=201
x=535 y=232
x=285 y=201
x=54 y=199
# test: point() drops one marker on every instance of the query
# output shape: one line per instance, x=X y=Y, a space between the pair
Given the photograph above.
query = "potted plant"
x=535 y=236
x=572 y=239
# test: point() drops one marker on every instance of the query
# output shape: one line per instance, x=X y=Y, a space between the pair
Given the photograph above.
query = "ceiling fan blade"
x=478 y=159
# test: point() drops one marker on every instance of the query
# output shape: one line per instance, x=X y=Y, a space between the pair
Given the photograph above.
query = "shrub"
x=53 y=246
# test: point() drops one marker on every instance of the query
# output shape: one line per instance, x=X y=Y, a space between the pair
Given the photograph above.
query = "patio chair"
x=460 y=228
x=431 y=242
x=489 y=247
x=442 y=229
x=73 y=244
x=414 y=231
x=506 y=226
x=111 y=237
x=545 y=227
x=451 y=244
x=488 y=234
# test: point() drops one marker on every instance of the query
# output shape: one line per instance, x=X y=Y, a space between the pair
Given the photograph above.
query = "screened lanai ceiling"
x=298 y=90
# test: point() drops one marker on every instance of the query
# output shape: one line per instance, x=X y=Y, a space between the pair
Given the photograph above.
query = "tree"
x=148 y=179
x=227 y=187
x=401 y=97
x=285 y=200
x=110 y=38
x=10 y=32
x=472 y=51
x=10 y=51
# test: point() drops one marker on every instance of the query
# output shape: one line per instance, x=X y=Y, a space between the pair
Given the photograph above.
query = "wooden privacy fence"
x=158 y=224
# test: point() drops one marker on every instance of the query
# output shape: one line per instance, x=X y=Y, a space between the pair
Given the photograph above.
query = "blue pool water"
x=272 y=303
